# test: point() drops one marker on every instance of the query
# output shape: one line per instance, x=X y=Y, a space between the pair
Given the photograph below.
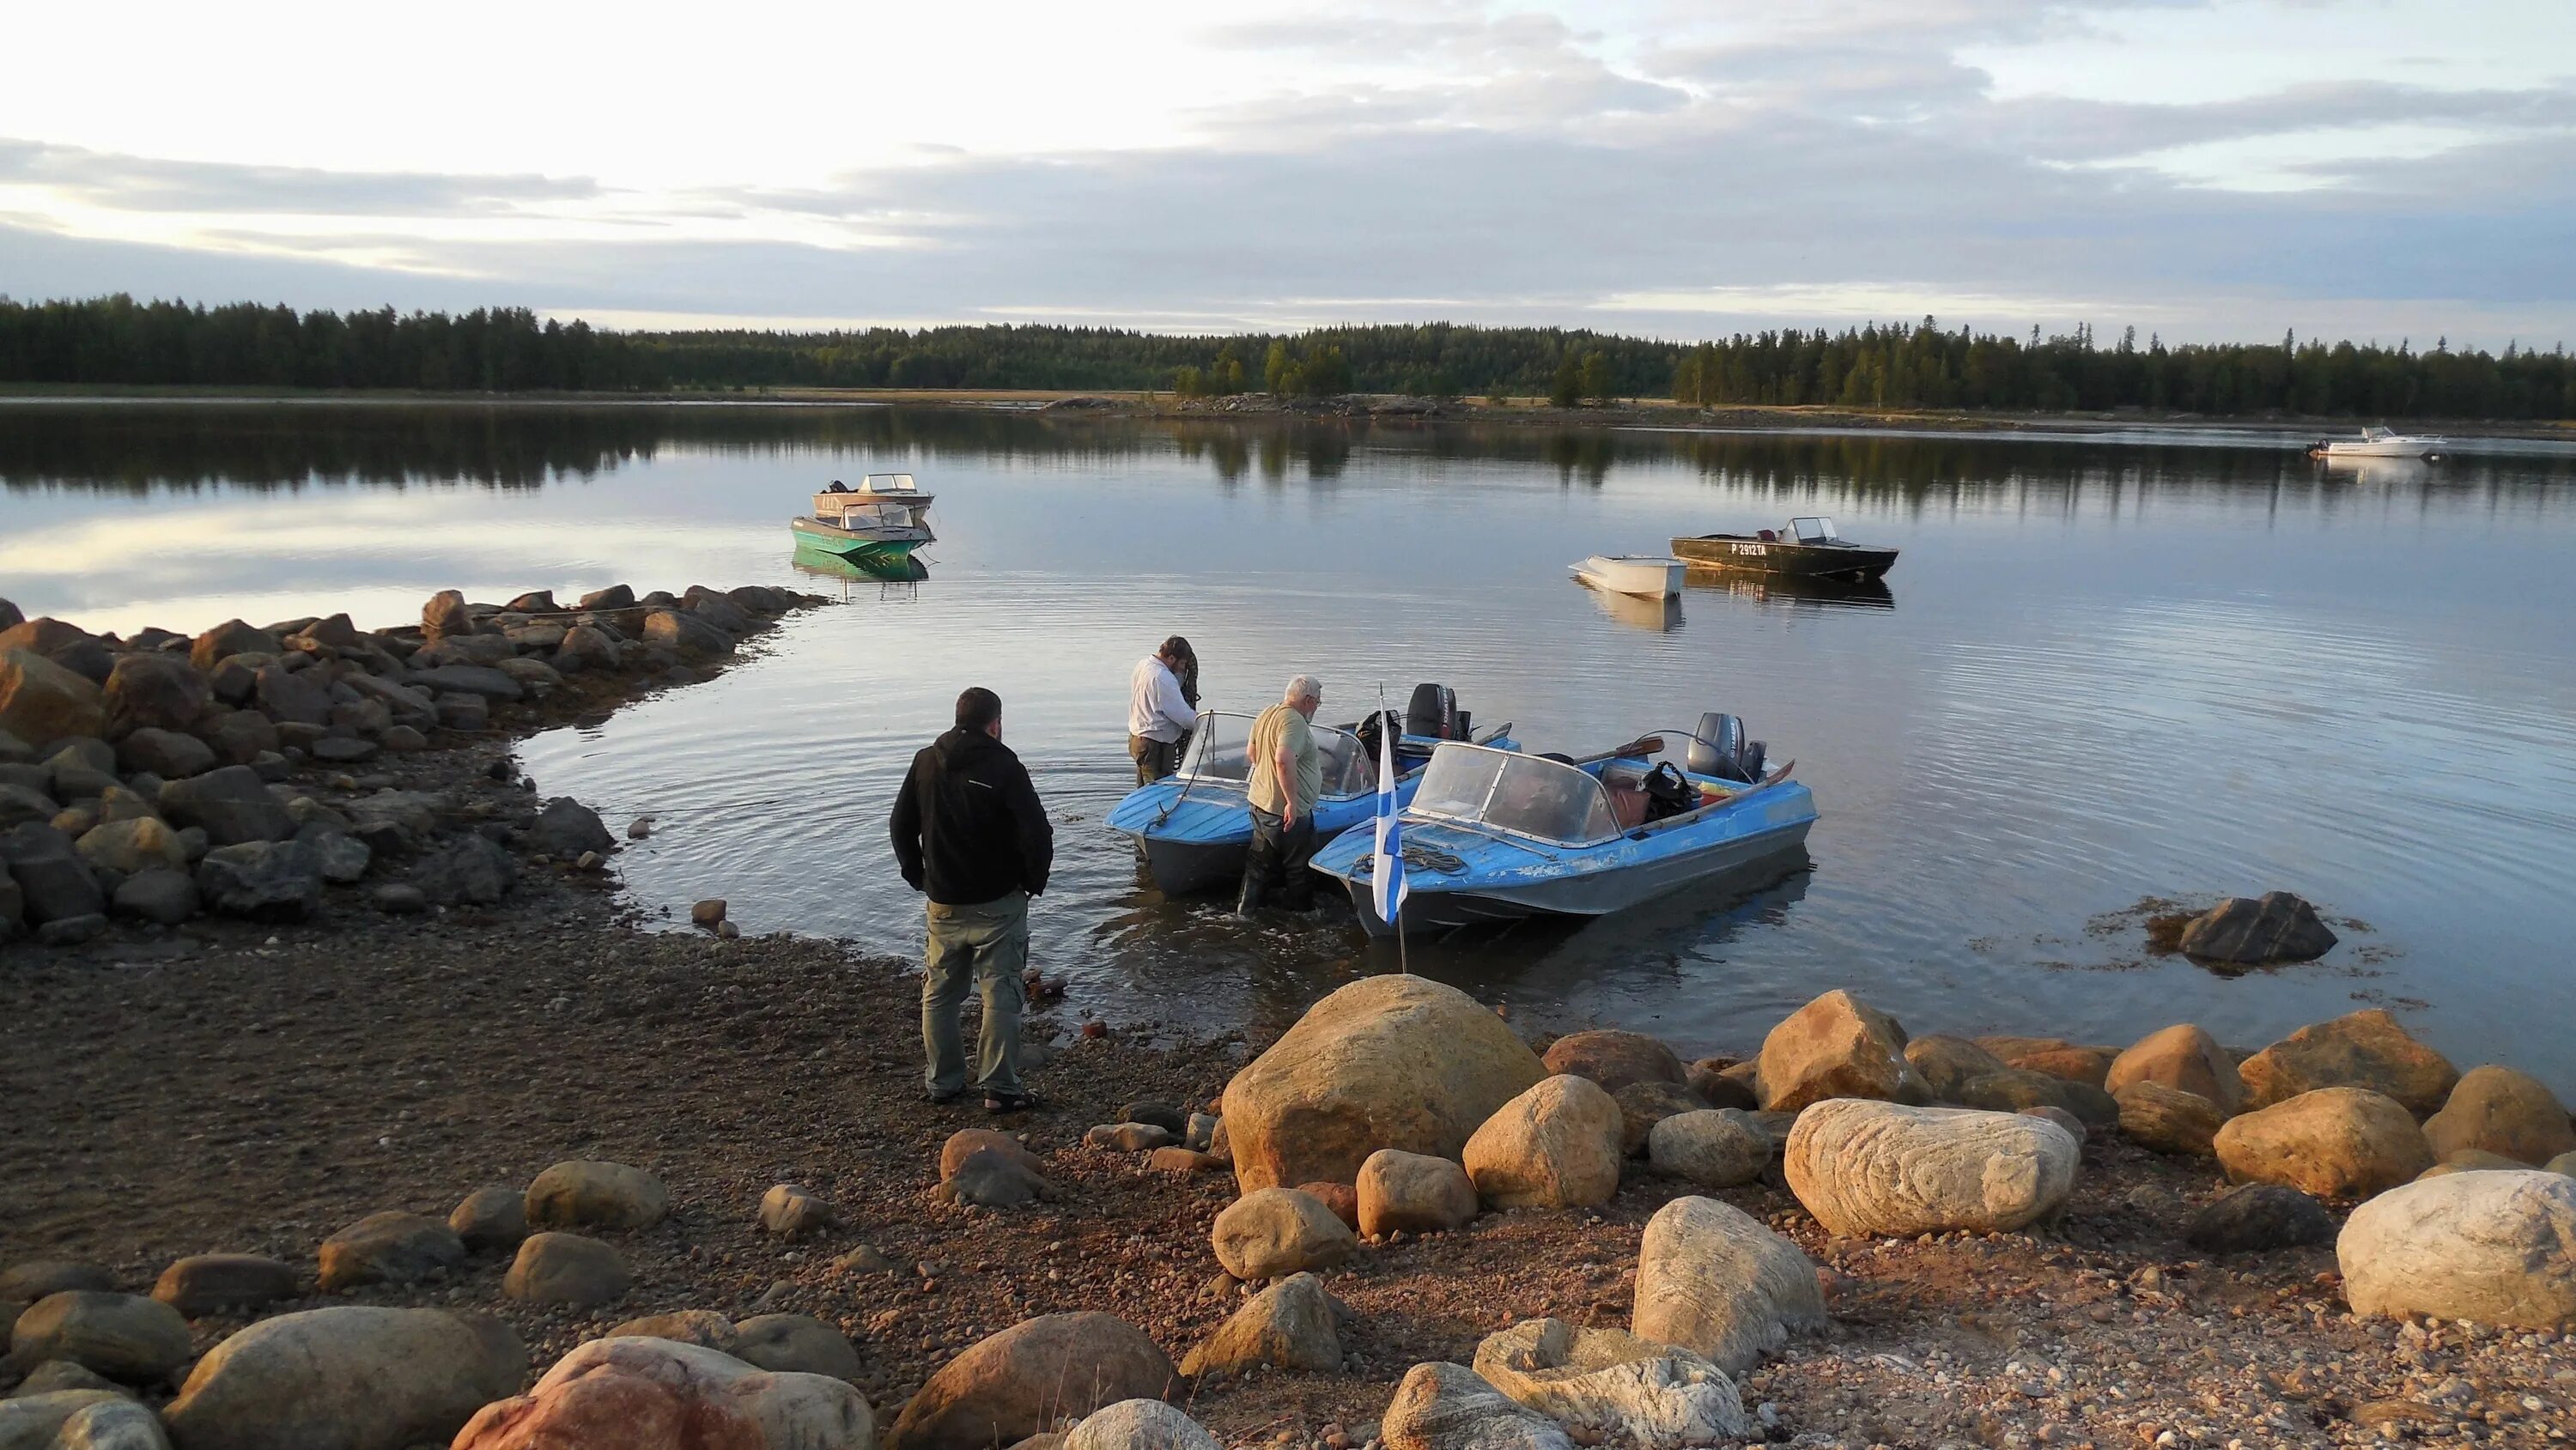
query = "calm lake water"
x=2107 y=668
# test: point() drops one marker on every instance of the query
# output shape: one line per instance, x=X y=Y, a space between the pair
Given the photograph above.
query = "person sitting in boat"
x=1287 y=776
x=1162 y=709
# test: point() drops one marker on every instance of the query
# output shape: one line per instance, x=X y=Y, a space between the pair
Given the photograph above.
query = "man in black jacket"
x=970 y=832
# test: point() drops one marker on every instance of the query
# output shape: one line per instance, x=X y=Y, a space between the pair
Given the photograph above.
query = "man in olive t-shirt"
x=1287 y=776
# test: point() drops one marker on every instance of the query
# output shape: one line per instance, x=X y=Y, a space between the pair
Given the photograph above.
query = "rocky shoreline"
x=376 y=1107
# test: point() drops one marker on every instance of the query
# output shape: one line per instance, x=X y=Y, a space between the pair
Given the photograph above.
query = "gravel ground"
x=250 y=1089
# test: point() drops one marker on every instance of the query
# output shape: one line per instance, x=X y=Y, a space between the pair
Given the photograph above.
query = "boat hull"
x=1642 y=578
x=1785 y=558
x=1429 y=905
x=2391 y=448
x=1185 y=868
x=876 y=547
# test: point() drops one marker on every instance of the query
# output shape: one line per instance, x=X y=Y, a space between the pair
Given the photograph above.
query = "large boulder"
x=153 y=692
x=1713 y=1280
x=2020 y=1089
x=1556 y=1145
x=354 y=1377
x=1836 y=1046
x=28 y=1280
x=1644 y=1104
x=1947 y=1064
x=2495 y=1247
x=139 y=843
x=42 y=1419
x=1615 y=1059
x=1609 y=1386
x=566 y=828
x=1441 y=1406
x=165 y=753
x=1134 y=1425
x=2259 y=1218
x=1014 y=1384
x=1875 y=1170
x=470 y=869
x=389 y=1248
x=42 y=702
x=562 y=1268
x=690 y=634
x=203 y=1284
x=2336 y=1142
x=1413 y=1193
x=1275 y=1231
x=589 y=1193
x=2498 y=1110
x=1711 y=1148
x=2244 y=932
x=231 y=805
x=54 y=882
x=1293 y=1324
x=445 y=615
x=291 y=697
x=658 y=1394
x=2183 y=1057
x=230 y=638
x=702 y=1327
x=2168 y=1119
x=271 y=881
x=1389 y=1061
x=2366 y=1049
x=122 y=1336
x=481 y=681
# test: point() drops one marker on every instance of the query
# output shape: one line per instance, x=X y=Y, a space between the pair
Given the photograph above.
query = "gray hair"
x=1302 y=687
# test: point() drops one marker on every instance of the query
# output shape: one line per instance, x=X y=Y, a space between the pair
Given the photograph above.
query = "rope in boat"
x=1417 y=857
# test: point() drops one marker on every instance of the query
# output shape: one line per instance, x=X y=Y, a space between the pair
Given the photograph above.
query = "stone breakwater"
x=249 y=770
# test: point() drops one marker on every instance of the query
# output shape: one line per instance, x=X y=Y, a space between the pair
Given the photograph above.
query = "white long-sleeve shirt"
x=1155 y=708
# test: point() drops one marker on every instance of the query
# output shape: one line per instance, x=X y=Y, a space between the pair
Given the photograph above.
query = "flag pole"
x=1387 y=738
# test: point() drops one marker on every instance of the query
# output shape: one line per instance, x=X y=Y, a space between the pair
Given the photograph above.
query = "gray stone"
x=790 y=1212
x=491 y=1218
x=55 y=1375
x=123 y=1336
x=162 y=895
x=166 y=753
x=20 y=804
x=2495 y=1247
x=478 y=680
x=351 y=1377
x=112 y=1425
x=389 y=1248
x=230 y=638
x=566 y=1268
x=702 y=1327
x=55 y=884
x=795 y=1344
x=1450 y=1407
x=2278 y=928
x=1293 y=1324
x=72 y=931
x=1137 y=1425
x=342 y=857
x=36 y=1421
x=202 y=1284
x=468 y=869
x=590 y=1193
x=1872 y=1169
x=42 y=702
x=343 y=750
x=469 y=713
x=721 y=612
x=30 y=1280
x=2259 y=1217
x=615 y=596
x=290 y=697
x=397 y=898
x=232 y=805
x=689 y=634
x=566 y=828
x=242 y=736
x=74 y=774
x=1609 y=1386
x=585 y=648
x=1713 y=1280
x=1275 y=1231
x=445 y=615
x=135 y=844
x=154 y=692
x=271 y=881
x=1708 y=1148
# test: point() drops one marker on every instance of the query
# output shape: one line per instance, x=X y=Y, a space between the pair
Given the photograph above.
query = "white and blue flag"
x=1387 y=867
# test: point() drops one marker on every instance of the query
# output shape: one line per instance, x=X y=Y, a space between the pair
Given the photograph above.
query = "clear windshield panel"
x=1813 y=531
x=1220 y=750
x=1550 y=801
x=1347 y=769
x=1458 y=781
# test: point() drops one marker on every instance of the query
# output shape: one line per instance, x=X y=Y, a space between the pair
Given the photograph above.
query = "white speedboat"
x=2379 y=443
x=1650 y=575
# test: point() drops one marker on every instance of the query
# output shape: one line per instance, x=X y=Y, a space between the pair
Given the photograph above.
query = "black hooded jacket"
x=968 y=827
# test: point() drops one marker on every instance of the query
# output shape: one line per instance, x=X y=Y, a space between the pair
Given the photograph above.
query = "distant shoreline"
x=1380 y=408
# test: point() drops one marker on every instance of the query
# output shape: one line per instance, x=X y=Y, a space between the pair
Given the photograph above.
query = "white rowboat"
x=1650 y=575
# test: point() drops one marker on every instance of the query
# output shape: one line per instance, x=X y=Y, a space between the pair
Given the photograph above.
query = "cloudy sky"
x=2199 y=168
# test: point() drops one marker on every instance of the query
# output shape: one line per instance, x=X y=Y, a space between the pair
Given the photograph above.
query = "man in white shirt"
x=1161 y=710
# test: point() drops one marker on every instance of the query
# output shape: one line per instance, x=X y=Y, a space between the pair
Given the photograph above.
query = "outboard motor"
x=1720 y=750
x=1433 y=711
x=1374 y=730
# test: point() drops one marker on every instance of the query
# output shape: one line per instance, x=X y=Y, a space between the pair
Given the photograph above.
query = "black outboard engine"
x=1433 y=711
x=1721 y=751
x=1375 y=729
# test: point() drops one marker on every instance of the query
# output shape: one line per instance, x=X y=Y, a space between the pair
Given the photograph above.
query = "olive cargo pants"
x=985 y=945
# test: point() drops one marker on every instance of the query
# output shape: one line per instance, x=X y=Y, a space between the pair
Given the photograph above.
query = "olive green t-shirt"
x=1278 y=724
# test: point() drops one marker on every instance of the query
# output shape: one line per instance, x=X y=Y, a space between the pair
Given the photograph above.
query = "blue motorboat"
x=1495 y=836
x=1195 y=826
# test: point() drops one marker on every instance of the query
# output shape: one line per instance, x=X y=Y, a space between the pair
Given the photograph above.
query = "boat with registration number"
x=1494 y=836
x=1812 y=549
x=1194 y=827
x=880 y=522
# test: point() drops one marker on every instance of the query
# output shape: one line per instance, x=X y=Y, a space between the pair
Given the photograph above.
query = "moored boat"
x=1811 y=550
x=1195 y=826
x=1648 y=576
x=2378 y=443
x=1493 y=836
x=882 y=520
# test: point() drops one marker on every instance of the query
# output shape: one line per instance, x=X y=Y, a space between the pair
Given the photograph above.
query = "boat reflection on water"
x=1794 y=593
x=1662 y=615
x=903 y=569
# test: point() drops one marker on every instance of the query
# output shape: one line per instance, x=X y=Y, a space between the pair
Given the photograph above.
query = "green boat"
x=880 y=522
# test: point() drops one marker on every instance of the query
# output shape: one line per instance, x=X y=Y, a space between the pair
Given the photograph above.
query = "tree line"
x=119 y=341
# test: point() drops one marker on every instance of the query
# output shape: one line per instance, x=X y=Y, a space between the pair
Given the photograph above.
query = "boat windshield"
x=1812 y=531
x=887 y=483
x=1220 y=751
x=1524 y=794
x=2377 y=435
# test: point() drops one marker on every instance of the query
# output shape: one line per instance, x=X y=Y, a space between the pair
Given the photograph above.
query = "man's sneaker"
x=939 y=1099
